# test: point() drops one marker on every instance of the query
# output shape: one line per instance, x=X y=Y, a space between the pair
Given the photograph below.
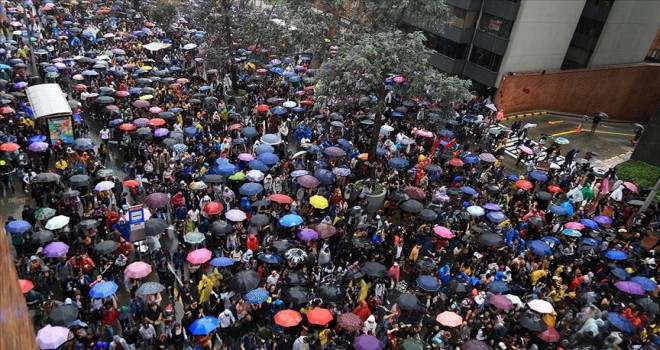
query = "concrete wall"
x=649 y=143
x=624 y=92
x=540 y=35
x=628 y=33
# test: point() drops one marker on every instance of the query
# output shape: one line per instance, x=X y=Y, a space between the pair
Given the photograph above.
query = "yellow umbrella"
x=318 y=202
x=146 y=97
x=250 y=65
x=147 y=68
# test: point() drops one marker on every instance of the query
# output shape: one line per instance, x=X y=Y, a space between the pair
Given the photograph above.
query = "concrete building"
x=491 y=38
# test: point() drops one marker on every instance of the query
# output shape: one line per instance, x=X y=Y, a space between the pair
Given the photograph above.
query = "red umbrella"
x=213 y=208
x=305 y=103
x=9 y=147
x=26 y=285
x=156 y=122
x=288 y=318
x=524 y=184
x=319 y=316
x=415 y=192
x=131 y=183
x=262 y=108
x=350 y=322
x=554 y=189
x=141 y=104
x=550 y=335
x=80 y=87
x=235 y=126
x=325 y=230
x=127 y=127
x=122 y=94
x=278 y=198
x=7 y=110
x=456 y=162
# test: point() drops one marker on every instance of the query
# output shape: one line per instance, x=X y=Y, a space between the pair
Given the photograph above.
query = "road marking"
x=614 y=133
x=565 y=133
x=597 y=132
x=553 y=122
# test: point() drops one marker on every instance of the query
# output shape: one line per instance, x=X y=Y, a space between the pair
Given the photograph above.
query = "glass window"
x=494 y=25
x=486 y=59
x=446 y=47
x=655 y=53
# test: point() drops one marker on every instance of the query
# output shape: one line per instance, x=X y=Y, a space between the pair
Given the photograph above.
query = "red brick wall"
x=623 y=92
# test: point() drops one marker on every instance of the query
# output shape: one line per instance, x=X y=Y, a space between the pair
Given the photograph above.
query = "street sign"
x=136 y=223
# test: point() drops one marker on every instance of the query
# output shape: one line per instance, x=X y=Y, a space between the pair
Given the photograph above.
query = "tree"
x=164 y=13
x=361 y=70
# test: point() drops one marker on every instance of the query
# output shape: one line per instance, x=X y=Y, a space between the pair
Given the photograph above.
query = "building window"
x=486 y=59
x=655 y=53
x=463 y=18
x=446 y=47
x=494 y=25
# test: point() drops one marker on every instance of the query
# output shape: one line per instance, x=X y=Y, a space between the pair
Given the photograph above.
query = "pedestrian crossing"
x=511 y=148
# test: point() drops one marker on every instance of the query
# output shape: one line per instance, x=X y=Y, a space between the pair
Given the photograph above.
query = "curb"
x=563 y=114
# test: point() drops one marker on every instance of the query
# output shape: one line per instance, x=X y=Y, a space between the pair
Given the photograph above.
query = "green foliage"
x=163 y=12
x=375 y=190
x=639 y=173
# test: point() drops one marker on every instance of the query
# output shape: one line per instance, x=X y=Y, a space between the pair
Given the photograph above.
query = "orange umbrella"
x=363 y=156
x=9 y=147
x=319 y=316
x=26 y=285
x=156 y=122
x=554 y=189
x=213 y=208
x=131 y=183
x=262 y=108
x=524 y=184
x=288 y=318
x=280 y=198
x=127 y=127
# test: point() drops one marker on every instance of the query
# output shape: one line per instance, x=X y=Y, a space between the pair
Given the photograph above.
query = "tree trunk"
x=373 y=144
x=232 y=70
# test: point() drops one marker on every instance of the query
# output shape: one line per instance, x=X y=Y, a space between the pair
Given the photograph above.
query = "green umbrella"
x=239 y=176
x=44 y=213
x=412 y=344
x=105 y=173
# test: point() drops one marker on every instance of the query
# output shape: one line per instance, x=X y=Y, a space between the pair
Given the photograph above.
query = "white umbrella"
x=476 y=210
x=57 y=222
x=254 y=175
x=389 y=128
x=289 y=104
x=189 y=46
x=541 y=306
x=491 y=107
x=515 y=300
x=298 y=154
x=529 y=126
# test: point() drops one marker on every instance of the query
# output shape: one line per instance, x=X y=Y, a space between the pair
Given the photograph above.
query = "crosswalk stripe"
x=511 y=148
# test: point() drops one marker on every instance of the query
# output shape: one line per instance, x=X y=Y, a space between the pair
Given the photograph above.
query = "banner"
x=136 y=222
x=61 y=128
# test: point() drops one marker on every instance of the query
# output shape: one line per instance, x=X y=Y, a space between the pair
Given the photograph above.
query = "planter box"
x=375 y=202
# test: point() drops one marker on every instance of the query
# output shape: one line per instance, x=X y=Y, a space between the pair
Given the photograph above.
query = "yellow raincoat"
x=204 y=288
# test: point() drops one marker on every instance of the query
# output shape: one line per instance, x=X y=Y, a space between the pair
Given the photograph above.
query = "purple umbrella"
x=487 y=157
x=161 y=132
x=235 y=215
x=334 y=151
x=38 y=146
x=602 y=219
x=307 y=234
x=367 y=342
x=246 y=157
x=496 y=216
x=308 y=181
x=52 y=337
x=55 y=249
x=629 y=287
x=141 y=122
x=20 y=85
x=60 y=65
x=341 y=171
x=501 y=301
x=491 y=206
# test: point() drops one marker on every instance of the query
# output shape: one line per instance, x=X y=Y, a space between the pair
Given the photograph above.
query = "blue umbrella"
x=398 y=162
x=264 y=148
x=397 y=114
x=36 y=138
x=344 y=143
x=496 y=216
x=568 y=207
x=620 y=322
x=190 y=131
x=646 y=283
x=616 y=255
x=269 y=258
x=250 y=132
x=319 y=164
x=428 y=283
x=204 y=325
x=446 y=133
x=176 y=109
x=276 y=70
x=294 y=79
x=381 y=151
x=571 y=233
x=589 y=223
x=180 y=147
x=298 y=109
x=513 y=177
x=222 y=262
x=291 y=220
x=135 y=90
x=557 y=210
x=17 y=226
x=297 y=173
x=103 y=289
x=589 y=241
x=258 y=165
x=550 y=240
x=250 y=189
x=268 y=158
x=313 y=149
x=471 y=159
x=227 y=169
x=468 y=190
x=278 y=110
x=498 y=287
x=539 y=248
x=256 y=296
x=620 y=273
x=115 y=122
x=537 y=175
x=325 y=176
x=90 y=73
x=271 y=139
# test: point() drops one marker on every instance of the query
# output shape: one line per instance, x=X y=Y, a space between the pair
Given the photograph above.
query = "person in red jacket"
x=252 y=243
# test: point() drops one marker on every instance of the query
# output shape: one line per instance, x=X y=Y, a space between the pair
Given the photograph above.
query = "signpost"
x=136 y=223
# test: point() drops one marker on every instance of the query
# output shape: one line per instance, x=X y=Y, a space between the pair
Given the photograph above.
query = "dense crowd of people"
x=267 y=227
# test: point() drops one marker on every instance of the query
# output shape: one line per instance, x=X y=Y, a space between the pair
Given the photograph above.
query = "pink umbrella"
x=235 y=215
x=631 y=186
x=541 y=306
x=155 y=110
x=526 y=149
x=199 y=256
x=399 y=79
x=449 y=319
x=424 y=133
x=443 y=232
x=246 y=157
x=574 y=225
x=501 y=302
x=138 y=269
x=629 y=287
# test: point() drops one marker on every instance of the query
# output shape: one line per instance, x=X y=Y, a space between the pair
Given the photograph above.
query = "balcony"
x=500 y=8
x=584 y=42
x=480 y=74
x=446 y=64
x=457 y=34
x=490 y=42
x=595 y=12
x=470 y=5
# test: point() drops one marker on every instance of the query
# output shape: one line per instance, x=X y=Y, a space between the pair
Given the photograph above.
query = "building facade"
x=489 y=39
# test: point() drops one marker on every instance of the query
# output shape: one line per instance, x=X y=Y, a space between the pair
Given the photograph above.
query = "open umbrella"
x=298 y=295
x=331 y=293
x=244 y=281
x=550 y=335
x=532 y=321
x=204 y=325
x=408 y=301
x=490 y=240
x=155 y=226
x=630 y=287
x=374 y=269
x=17 y=226
x=138 y=269
x=649 y=305
x=50 y=337
x=428 y=283
x=105 y=247
x=62 y=315
x=475 y=344
x=220 y=228
x=41 y=237
x=501 y=302
x=540 y=248
x=449 y=319
x=103 y=289
x=498 y=287
x=55 y=250
x=149 y=288
x=319 y=316
x=646 y=283
x=157 y=200
x=256 y=296
x=350 y=322
x=616 y=255
x=367 y=342
x=235 y=215
x=620 y=322
x=288 y=318
x=411 y=206
x=541 y=306
x=199 y=256
x=291 y=220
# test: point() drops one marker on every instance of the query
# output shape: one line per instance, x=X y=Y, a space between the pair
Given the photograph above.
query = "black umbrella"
x=283 y=245
x=649 y=305
x=354 y=274
x=79 y=180
x=148 y=288
x=70 y=193
x=493 y=188
x=220 y=228
x=398 y=196
x=88 y=223
x=602 y=115
x=427 y=215
x=83 y=144
x=475 y=344
x=244 y=281
x=155 y=226
x=331 y=293
x=532 y=321
x=45 y=178
x=261 y=203
x=411 y=206
x=490 y=240
x=259 y=220
x=408 y=301
x=105 y=247
x=361 y=242
x=296 y=278
x=459 y=286
x=63 y=315
x=425 y=264
x=42 y=237
x=543 y=195
x=374 y=269
x=106 y=100
x=535 y=220
x=298 y=295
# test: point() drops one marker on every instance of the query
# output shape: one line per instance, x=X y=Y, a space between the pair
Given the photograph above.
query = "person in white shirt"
x=226 y=319
x=370 y=325
x=193 y=213
x=273 y=278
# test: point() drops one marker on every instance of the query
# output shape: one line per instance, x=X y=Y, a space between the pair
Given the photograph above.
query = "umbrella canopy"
x=319 y=316
x=57 y=222
x=157 y=200
x=428 y=283
x=199 y=256
x=62 y=315
x=256 y=296
x=501 y=301
x=411 y=206
x=155 y=226
x=105 y=247
x=541 y=306
x=148 y=288
x=408 y=301
x=532 y=321
x=18 y=226
x=55 y=249
x=331 y=293
x=204 y=325
x=103 y=289
x=244 y=281
x=298 y=295
x=620 y=322
x=550 y=335
x=374 y=269
x=367 y=342
x=449 y=319
x=288 y=318
x=350 y=322
x=630 y=287
x=475 y=344
x=138 y=269
x=220 y=228
x=540 y=248
x=291 y=220
x=646 y=283
x=50 y=337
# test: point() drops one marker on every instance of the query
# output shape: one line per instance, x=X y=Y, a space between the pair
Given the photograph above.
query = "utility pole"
x=28 y=24
x=650 y=197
